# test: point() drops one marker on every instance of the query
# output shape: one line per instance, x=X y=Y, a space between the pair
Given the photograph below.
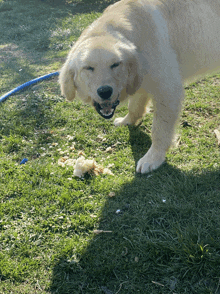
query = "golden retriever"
x=142 y=49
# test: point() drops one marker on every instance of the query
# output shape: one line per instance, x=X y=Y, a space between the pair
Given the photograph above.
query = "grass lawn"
x=62 y=234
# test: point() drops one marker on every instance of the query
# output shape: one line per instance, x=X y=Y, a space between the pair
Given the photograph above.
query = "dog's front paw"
x=122 y=121
x=150 y=161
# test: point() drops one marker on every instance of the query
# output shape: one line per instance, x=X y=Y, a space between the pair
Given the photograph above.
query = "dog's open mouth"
x=106 y=109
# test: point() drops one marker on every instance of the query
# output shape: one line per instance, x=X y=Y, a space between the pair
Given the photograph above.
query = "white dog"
x=139 y=49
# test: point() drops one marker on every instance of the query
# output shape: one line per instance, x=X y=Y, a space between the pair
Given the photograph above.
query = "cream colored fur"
x=159 y=45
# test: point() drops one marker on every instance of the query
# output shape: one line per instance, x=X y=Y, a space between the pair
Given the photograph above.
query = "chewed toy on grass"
x=83 y=166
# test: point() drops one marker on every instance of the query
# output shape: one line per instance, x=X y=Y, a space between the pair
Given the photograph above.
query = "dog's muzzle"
x=106 y=109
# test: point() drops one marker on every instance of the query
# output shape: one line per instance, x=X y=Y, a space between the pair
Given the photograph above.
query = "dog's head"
x=103 y=71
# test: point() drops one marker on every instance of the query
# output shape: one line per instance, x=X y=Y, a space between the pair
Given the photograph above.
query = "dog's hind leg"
x=136 y=109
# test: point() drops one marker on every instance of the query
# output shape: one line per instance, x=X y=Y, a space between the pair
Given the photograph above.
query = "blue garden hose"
x=21 y=87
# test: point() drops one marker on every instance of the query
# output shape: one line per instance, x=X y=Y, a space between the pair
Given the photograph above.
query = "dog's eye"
x=116 y=64
x=90 y=68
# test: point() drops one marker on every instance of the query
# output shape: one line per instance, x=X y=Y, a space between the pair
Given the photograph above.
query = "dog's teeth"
x=107 y=114
x=102 y=112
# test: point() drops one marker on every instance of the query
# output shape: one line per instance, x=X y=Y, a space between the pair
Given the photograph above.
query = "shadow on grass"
x=164 y=239
x=31 y=39
x=32 y=35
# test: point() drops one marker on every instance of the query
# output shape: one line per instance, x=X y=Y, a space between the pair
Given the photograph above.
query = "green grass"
x=165 y=238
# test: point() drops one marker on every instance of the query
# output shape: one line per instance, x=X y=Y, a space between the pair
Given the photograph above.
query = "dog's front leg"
x=166 y=113
x=136 y=109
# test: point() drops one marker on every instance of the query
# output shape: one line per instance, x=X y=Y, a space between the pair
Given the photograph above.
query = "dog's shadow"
x=139 y=230
x=139 y=140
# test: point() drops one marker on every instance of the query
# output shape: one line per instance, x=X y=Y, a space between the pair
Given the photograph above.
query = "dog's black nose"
x=105 y=92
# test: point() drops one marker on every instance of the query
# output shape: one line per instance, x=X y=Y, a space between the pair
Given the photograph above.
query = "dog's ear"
x=134 y=76
x=66 y=81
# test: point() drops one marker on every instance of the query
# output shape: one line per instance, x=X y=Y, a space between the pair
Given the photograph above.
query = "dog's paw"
x=122 y=121
x=127 y=120
x=150 y=161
